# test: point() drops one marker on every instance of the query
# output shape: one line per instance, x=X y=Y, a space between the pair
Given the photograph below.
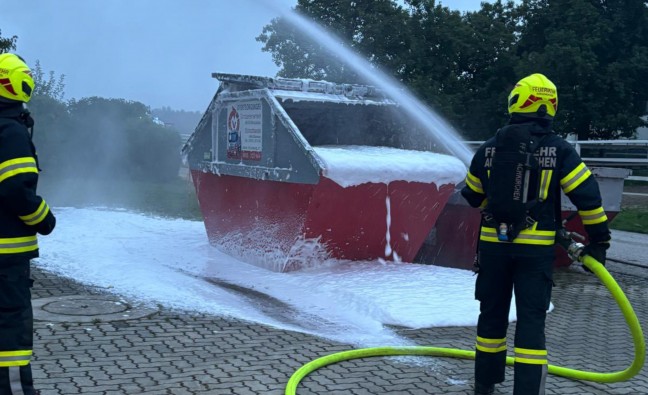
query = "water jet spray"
x=443 y=132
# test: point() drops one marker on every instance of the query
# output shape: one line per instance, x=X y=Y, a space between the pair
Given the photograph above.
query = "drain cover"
x=87 y=308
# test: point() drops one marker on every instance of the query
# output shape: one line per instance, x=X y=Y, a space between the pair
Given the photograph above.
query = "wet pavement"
x=635 y=196
x=89 y=341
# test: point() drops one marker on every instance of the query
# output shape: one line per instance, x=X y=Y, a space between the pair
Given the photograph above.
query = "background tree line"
x=98 y=138
x=464 y=64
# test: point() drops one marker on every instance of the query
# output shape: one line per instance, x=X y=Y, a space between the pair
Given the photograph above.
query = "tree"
x=438 y=55
x=453 y=61
x=7 y=44
x=465 y=64
x=50 y=86
x=374 y=28
x=52 y=120
x=52 y=126
x=596 y=51
x=117 y=139
x=490 y=62
x=458 y=60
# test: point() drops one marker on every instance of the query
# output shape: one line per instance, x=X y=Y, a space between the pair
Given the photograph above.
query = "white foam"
x=165 y=261
x=355 y=165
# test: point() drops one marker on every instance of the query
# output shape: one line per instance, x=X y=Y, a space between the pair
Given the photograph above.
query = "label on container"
x=244 y=130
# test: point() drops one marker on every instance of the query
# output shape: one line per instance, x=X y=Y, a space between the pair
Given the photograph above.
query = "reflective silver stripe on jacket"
x=16 y=166
x=16 y=245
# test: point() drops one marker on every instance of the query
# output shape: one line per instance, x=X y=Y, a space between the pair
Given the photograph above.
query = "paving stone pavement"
x=171 y=352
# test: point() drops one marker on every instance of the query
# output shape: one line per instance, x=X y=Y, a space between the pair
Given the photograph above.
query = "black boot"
x=484 y=389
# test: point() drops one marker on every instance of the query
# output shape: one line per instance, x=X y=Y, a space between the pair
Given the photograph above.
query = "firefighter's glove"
x=46 y=226
x=597 y=251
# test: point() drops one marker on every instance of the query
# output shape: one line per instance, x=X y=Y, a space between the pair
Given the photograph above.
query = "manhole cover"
x=89 y=308
x=85 y=307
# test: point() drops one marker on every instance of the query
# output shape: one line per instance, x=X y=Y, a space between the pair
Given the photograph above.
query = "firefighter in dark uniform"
x=22 y=214
x=524 y=263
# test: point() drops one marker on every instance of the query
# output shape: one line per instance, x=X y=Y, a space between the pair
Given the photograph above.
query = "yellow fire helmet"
x=16 y=81
x=534 y=95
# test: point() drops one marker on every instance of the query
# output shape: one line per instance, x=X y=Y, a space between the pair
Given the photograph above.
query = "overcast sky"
x=159 y=52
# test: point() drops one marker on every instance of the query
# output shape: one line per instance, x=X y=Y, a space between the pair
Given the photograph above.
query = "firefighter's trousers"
x=16 y=329
x=530 y=277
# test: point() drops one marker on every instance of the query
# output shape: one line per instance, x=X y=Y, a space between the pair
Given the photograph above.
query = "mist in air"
x=106 y=149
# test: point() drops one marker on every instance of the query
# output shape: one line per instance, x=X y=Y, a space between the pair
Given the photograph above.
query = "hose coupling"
x=575 y=250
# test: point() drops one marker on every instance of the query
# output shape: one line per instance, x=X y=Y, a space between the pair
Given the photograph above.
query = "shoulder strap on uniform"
x=532 y=205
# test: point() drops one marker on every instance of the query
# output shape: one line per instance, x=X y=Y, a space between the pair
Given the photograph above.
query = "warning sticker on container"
x=233 y=134
x=247 y=123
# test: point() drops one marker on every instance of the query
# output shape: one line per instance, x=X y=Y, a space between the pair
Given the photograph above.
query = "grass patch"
x=174 y=199
x=631 y=220
x=177 y=199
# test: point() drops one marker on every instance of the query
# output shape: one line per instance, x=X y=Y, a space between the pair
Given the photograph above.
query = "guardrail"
x=614 y=153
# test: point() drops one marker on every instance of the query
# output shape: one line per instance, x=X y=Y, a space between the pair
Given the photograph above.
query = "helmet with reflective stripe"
x=535 y=96
x=16 y=81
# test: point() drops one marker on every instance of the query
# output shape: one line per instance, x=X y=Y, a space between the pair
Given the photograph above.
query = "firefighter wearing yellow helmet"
x=534 y=96
x=16 y=82
x=23 y=214
x=516 y=178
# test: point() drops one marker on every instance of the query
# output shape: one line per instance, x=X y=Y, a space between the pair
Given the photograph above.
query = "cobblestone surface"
x=172 y=352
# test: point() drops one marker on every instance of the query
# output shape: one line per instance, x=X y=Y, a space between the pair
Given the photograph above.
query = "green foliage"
x=117 y=139
x=464 y=64
x=597 y=54
x=359 y=23
x=105 y=151
x=52 y=133
x=97 y=138
x=631 y=220
x=7 y=44
x=440 y=55
x=51 y=86
x=460 y=63
x=176 y=198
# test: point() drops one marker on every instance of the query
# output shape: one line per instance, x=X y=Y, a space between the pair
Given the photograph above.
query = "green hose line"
x=596 y=267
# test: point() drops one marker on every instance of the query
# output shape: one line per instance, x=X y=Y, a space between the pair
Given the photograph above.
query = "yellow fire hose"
x=596 y=267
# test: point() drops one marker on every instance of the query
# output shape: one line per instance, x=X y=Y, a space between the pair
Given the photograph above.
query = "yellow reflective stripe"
x=488 y=234
x=15 y=358
x=37 y=216
x=484 y=203
x=474 y=183
x=545 y=180
x=527 y=236
x=12 y=167
x=15 y=245
x=537 y=238
x=532 y=357
x=530 y=351
x=490 y=345
x=591 y=217
x=575 y=178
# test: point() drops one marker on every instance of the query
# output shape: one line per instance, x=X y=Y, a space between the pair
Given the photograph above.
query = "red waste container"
x=283 y=165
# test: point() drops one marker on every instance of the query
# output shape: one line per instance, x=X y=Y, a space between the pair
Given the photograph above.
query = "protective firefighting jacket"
x=22 y=212
x=560 y=168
